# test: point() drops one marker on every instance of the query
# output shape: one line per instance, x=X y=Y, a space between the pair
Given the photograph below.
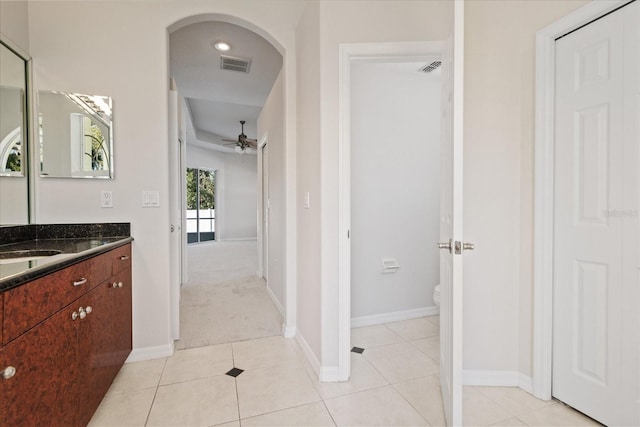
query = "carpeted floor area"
x=223 y=300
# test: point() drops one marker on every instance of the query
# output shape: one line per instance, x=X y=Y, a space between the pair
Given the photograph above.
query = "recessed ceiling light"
x=222 y=46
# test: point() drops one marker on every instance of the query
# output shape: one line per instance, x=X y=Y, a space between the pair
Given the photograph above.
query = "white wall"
x=236 y=192
x=395 y=190
x=355 y=22
x=308 y=179
x=271 y=126
x=132 y=67
x=498 y=179
x=239 y=205
x=14 y=22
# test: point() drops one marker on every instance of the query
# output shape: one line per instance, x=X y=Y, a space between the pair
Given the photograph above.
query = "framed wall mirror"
x=14 y=143
x=76 y=135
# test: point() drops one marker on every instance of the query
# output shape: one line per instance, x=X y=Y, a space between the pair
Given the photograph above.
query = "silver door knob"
x=8 y=372
x=89 y=309
x=446 y=245
x=74 y=315
x=466 y=246
x=83 y=313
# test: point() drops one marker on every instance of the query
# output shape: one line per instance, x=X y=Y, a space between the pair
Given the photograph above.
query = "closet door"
x=631 y=219
x=595 y=324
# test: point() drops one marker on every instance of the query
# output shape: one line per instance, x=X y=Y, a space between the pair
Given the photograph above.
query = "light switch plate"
x=106 y=199
x=150 y=199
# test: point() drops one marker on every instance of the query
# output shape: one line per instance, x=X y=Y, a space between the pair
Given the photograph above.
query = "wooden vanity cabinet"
x=43 y=390
x=66 y=363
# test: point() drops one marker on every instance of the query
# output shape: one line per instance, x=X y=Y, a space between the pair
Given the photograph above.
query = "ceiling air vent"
x=431 y=67
x=235 y=64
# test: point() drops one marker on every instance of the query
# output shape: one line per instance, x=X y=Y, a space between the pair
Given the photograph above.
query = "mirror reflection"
x=14 y=182
x=75 y=133
x=12 y=118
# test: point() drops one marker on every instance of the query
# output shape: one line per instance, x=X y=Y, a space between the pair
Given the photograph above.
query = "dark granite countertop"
x=76 y=242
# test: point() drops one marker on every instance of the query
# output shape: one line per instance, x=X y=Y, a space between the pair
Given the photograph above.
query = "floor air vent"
x=235 y=64
x=431 y=67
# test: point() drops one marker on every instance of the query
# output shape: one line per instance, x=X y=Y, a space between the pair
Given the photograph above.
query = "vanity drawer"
x=120 y=259
x=33 y=302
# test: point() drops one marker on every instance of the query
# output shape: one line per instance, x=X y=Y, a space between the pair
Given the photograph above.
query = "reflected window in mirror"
x=75 y=132
x=12 y=110
x=14 y=174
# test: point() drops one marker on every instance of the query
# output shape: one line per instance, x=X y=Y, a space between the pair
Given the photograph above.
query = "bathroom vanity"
x=65 y=320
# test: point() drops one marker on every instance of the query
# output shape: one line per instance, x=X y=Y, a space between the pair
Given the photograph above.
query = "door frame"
x=262 y=234
x=348 y=54
x=544 y=185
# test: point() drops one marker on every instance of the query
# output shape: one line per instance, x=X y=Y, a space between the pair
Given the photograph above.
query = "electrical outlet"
x=106 y=199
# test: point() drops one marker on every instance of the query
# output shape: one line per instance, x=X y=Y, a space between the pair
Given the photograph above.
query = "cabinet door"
x=43 y=390
x=95 y=346
x=122 y=318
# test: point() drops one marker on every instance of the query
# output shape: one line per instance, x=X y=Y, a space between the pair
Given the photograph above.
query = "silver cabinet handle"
x=80 y=282
x=124 y=257
x=83 y=313
x=74 y=315
x=8 y=372
x=119 y=284
x=89 y=309
x=114 y=285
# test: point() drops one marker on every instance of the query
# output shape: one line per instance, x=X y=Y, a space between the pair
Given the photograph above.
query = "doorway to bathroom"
x=395 y=139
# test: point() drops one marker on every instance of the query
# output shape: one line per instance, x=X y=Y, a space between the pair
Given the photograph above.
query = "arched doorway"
x=210 y=134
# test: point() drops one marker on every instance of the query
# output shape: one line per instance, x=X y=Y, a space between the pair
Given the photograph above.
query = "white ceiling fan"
x=243 y=144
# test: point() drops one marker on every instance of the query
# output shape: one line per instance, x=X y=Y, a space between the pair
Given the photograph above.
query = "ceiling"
x=218 y=99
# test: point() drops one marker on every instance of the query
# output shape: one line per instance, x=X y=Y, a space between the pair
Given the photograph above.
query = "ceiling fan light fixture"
x=222 y=46
x=238 y=149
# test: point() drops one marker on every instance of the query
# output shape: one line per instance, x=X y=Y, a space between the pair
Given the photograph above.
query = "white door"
x=595 y=279
x=451 y=222
x=175 y=213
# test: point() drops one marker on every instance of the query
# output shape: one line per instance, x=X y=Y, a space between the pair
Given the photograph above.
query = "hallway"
x=223 y=301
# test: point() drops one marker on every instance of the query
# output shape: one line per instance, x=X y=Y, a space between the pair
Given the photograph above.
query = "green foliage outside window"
x=206 y=181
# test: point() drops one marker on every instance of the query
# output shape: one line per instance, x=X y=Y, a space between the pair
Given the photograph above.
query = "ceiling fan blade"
x=232 y=143
x=230 y=140
x=251 y=140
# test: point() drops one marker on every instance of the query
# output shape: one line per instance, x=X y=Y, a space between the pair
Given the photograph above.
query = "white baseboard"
x=288 y=331
x=275 y=300
x=308 y=353
x=394 y=316
x=329 y=374
x=149 y=353
x=498 y=379
x=525 y=383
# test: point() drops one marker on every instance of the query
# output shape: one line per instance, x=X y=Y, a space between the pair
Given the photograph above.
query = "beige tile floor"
x=395 y=382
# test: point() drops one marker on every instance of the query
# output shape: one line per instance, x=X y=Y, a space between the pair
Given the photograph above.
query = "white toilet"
x=436 y=295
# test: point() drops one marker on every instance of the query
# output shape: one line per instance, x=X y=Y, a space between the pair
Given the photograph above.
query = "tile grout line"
x=146 y=422
x=235 y=382
x=329 y=412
